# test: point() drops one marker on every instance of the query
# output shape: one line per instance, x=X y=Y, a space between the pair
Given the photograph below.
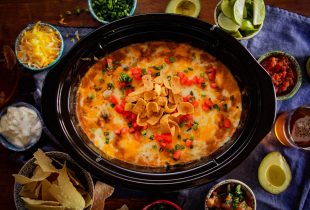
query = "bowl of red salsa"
x=284 y=71
x=230 y=194
x=162 y=205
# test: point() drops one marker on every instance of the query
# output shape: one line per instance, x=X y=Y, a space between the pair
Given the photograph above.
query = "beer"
x=293 y=128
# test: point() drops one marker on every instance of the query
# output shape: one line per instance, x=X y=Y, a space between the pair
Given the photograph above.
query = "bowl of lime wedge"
x=243 y=19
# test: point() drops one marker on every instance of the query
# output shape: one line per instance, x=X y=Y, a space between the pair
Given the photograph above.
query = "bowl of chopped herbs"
x=230 y=194
x=106 y=11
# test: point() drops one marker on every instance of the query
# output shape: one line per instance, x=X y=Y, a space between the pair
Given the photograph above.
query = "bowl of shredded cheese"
x=39 y=46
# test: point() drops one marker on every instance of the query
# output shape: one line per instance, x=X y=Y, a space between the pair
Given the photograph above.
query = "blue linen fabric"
x=288 y=32
x=283 y=31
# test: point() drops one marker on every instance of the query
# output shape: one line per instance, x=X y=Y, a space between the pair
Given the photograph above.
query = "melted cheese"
x=94 y=102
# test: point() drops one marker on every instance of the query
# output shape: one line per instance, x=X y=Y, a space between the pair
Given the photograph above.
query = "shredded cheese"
x=39 y=46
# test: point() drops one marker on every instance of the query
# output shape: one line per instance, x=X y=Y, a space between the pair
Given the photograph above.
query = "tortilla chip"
x=157 y=89
x=38 y=175
x=175 y=85
x=44 y=162
x=139 y=107
x=31 y=190
x=65 y=193
x=34 y=202
x=101 y=192
x=45 y=207
x=46 y=195
x=185 y=108
x=124 y=207
x=141 y=121
x=155 y=118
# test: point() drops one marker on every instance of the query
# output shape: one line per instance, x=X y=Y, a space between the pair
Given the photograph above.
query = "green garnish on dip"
x=109 y=10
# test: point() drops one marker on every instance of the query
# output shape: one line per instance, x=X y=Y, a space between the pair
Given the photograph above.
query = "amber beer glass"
x=293 y=128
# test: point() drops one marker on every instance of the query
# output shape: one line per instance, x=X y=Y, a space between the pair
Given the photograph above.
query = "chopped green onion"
x=123 y=77
x=110 y=85
x=143 y=133
x=172 y=59
x=195 y=126
x=179 y=147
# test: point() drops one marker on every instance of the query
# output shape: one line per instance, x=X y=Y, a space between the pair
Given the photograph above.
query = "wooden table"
x=16 y=14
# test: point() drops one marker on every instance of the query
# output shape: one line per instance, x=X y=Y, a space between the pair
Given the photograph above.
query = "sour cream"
x=21 y=126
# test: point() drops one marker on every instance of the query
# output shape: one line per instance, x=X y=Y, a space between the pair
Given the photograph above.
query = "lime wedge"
x=237 y=34
x=246 y=25
x=245 y=12
x=308 y=66
x=226 y=8
x=226 y=23
x=258 y=12
x=238 y=11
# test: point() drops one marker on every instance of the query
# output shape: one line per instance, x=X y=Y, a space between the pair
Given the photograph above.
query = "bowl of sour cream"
x=21 y=126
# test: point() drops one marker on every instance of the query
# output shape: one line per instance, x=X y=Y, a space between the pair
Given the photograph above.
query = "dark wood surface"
x=16 y=14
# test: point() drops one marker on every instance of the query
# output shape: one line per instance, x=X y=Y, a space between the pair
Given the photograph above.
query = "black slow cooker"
x=258 y=100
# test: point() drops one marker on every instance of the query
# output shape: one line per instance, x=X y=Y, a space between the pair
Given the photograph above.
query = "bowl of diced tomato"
x=284 y=71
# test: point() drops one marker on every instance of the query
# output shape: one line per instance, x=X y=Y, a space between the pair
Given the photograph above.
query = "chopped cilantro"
x=195 y=126
x=179 y=147
x=158 y=68
x=112 y=105
x=126 y=68
x=107 y=140
x=225 y=107
x=144 y=72
x=151 y=137
x=143 y=133
x=101 y=80
x=191 y=138
x=157 y=74
x=215 y=106
x=91 y=96
x=172 y=59
x=129 y=125
x=189 y=68
x=123 y=77
x=154 y=146
x=110 y=85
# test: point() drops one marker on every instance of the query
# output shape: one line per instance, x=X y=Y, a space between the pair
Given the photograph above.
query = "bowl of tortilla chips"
x=52 y=180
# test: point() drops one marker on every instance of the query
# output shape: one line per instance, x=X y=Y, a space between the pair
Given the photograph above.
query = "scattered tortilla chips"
x=159 y=102
x=52 y=187
x=101 y=193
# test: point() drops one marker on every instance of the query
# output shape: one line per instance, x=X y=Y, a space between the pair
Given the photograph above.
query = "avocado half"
x=184 y=7
x=274 y=173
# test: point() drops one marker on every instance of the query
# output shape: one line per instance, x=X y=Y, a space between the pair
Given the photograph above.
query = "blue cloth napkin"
x=288 y=32
x=283 y=31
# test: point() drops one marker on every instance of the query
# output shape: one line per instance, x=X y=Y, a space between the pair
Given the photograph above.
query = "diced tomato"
x=213 y=85
x=195 y=103
x=188 y=119
x=165 y=137
x=227 y=123
x=117 y=132
x=119 y=109
x=163 y=144
x=136 y=73
x=188 y=143
x=177 y=154
x=211 y=72
x=137 y=135
x=131 y=130
x=181 y=75
x=124 y=130
x=198 y=80
x=186 y=99
x=113 y=99
x=110 y=62
x=167 y=61
x=122 y=84
x=128 y=91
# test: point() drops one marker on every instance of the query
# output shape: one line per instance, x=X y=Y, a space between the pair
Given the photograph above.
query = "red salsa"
x=282 y=71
